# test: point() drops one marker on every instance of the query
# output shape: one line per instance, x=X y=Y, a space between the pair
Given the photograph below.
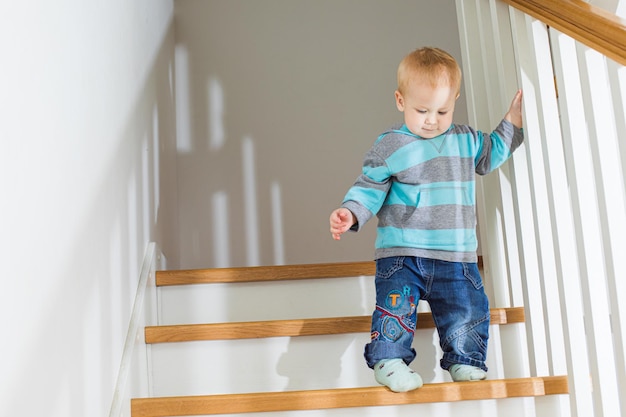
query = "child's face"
x=427 y=110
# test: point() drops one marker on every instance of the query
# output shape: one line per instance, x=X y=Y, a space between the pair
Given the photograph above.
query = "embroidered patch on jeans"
x=391 y=328
x=394 y=300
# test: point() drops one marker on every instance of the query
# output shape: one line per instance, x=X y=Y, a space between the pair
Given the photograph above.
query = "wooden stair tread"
x=297 y=327
x=264 y=273
x=347 y=397
x=268 y=273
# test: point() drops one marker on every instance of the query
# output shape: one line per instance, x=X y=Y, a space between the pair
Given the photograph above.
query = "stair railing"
x=552 y=221
x=134 y=378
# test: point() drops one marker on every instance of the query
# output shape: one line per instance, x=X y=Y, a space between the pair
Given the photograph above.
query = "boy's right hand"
x=341 y=220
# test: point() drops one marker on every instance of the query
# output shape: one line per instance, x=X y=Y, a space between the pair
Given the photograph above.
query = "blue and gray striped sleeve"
x=365 y=198
x=497 y=147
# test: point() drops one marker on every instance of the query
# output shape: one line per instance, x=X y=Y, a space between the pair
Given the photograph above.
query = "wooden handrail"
x=598 y=29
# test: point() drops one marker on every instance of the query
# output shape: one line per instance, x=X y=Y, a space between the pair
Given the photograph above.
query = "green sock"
x=396 y=375
x=461 y=372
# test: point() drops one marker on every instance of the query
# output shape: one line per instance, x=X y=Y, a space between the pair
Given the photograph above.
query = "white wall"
x=277 y=103
x=87 y=179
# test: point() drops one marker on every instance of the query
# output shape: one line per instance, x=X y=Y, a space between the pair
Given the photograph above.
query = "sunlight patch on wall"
x=216 y=114
x=156 y=180
x=183 y=97
x=132 y=206
x=145 y=188
x=250 y=202
x=277 y=224
x=221 y=253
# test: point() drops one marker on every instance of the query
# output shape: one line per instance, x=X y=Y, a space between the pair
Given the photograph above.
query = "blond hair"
x=433 y=65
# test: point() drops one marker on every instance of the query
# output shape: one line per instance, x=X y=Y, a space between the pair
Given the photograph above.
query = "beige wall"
x=277 y=102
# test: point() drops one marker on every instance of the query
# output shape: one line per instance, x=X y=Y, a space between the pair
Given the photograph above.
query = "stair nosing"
x=347 y=397
x=294 y=327
x=264 y=273
x=268 y=273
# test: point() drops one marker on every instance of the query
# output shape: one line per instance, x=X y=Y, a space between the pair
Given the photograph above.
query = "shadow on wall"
x=220 y=214
x=274 y=119
x=222 y=208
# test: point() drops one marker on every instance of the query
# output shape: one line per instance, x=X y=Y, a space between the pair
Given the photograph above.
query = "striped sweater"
x=423 y=190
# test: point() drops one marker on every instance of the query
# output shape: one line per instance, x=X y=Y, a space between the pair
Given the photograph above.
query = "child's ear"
x=399 y=101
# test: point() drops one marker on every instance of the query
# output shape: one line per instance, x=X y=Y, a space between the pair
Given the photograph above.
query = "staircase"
x=311 y=399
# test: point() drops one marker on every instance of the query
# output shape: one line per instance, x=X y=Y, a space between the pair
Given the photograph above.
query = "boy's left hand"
x=514 y=115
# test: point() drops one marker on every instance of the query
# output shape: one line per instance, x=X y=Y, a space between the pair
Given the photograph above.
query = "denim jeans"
x=458 y=302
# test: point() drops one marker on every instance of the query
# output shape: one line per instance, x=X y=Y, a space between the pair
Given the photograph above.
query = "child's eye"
x=442 y=113
x=421 y=111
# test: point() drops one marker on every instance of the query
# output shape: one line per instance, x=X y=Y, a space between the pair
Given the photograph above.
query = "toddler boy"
x=419 y=180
